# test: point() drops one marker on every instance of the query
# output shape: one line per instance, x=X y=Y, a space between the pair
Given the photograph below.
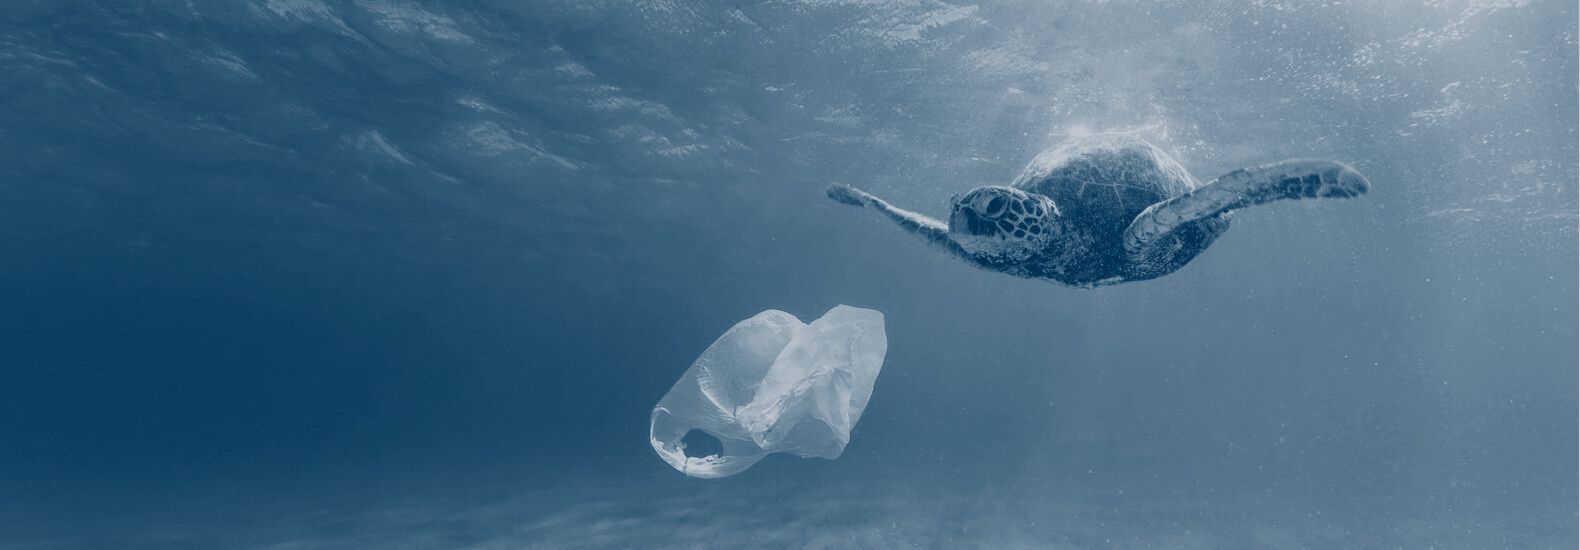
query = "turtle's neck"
x=1070 y=254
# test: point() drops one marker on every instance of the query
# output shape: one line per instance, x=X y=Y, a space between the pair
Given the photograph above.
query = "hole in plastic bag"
x=698 y=444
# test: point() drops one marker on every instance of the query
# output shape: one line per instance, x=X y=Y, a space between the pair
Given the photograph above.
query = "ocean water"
x=312 y=274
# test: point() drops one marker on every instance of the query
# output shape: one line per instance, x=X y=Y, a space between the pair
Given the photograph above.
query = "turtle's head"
x=1002 y=224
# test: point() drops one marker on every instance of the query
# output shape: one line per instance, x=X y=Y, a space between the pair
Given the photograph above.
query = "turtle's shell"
x=1102 y=182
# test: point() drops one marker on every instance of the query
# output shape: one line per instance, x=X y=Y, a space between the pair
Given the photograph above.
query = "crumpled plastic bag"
x=771 y=384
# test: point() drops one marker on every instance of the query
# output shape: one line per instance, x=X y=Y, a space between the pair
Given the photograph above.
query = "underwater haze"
x=318 y=274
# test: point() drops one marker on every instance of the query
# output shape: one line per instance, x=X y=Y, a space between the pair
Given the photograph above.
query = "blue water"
x=393 y=274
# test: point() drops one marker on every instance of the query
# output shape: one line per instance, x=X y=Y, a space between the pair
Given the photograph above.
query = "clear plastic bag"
x=771 y=384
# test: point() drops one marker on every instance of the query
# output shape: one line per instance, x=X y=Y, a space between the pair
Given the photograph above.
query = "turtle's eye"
x=993 y=207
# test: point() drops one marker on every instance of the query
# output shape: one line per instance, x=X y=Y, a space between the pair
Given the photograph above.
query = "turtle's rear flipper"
x=1166 y=230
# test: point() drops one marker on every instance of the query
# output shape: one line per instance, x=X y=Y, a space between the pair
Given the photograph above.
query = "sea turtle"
x=1106 y=209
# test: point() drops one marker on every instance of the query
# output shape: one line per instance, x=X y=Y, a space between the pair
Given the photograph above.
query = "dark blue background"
x=412 y=274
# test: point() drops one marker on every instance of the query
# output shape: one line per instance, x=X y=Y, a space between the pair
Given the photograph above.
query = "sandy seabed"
x=670 y=511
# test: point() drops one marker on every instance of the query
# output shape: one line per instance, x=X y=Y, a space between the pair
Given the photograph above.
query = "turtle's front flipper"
x=933 y=231
x=1168 y=228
